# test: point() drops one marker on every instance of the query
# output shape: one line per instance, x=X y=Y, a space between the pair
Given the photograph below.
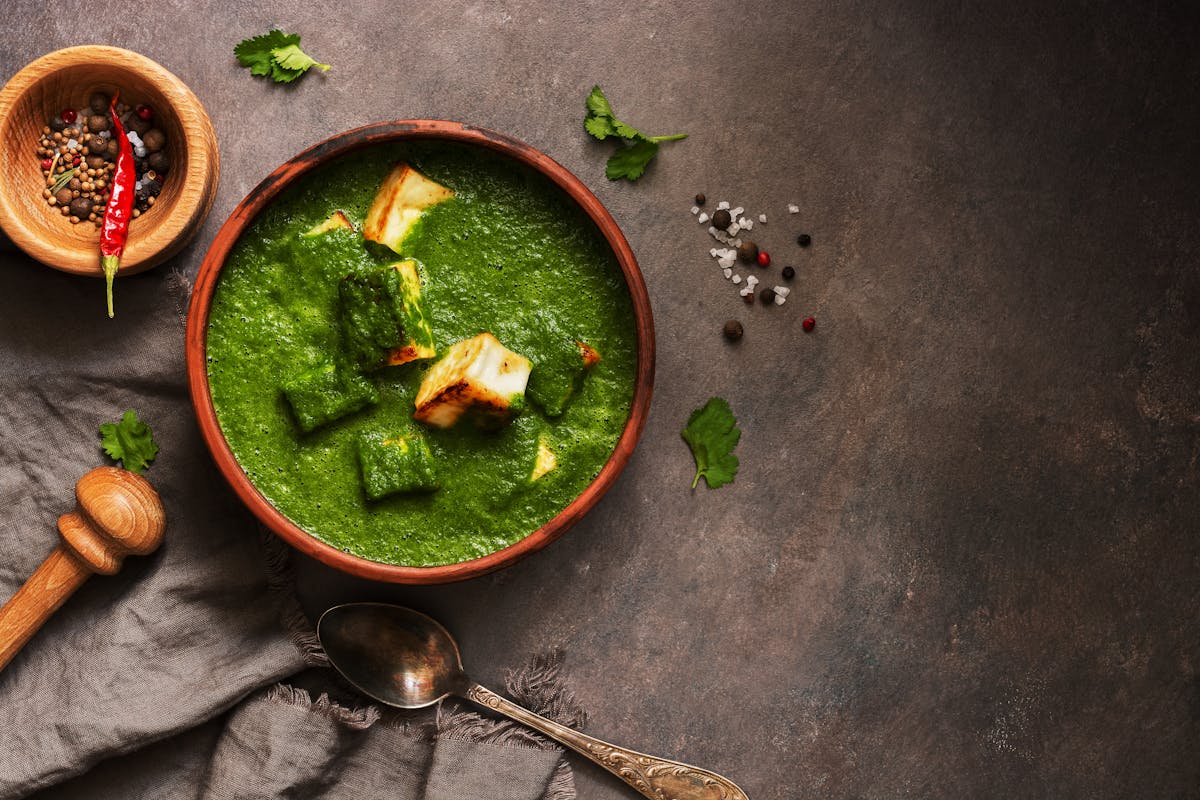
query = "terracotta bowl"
x=324 y=153
x=66 y=79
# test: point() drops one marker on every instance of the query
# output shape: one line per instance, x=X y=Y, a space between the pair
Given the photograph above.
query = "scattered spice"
x=700 y=199
x=747 y=251
x=808 y=324
x=764 y=258
x=788 y=273
x=767 y=296
x=804 y=240
x=722 y=219
x=733 y=330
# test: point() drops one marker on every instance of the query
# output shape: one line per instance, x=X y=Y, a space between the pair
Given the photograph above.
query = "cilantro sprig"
x=129 y=441
x=276 y=55
x=630 y=160
x=712 y=433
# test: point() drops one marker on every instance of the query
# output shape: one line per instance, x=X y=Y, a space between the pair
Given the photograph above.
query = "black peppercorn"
x=721 y=219
x=154 y=140
x=804 y=240
x=81 y=207
x=98 y=102
x=767 y=296
x=159 y=162
x=733 y=330
x=700 y=198
x=789 y=273
x=747 y=251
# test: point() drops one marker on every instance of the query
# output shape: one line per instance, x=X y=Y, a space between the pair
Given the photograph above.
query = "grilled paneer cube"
x=546 y=460
x=399 y=203
x=479 y=375
x=383 y=319
x=327 y=393
x=391 y=465
x=559 y=366
x=335 y=221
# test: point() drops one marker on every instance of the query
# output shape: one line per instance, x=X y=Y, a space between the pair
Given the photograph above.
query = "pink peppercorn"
x=809 y=323
x=145 y=112
x=764 y=258
x=47 y=163
x=69 y=115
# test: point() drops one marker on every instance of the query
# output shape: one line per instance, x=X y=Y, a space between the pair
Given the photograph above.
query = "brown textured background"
x=961 y=556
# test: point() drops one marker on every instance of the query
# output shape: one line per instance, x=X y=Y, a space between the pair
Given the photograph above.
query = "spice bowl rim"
x=38 y=228
x=325 y=152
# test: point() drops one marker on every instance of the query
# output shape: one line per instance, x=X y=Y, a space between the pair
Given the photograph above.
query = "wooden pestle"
x=117 y=512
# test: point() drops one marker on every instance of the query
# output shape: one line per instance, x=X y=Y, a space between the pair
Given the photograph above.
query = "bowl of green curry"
x=420 y=350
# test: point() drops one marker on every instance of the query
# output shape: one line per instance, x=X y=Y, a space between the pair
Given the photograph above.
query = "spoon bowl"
x=405 y=659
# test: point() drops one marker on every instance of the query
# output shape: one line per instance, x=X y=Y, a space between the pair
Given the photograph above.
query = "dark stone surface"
x=961 y=556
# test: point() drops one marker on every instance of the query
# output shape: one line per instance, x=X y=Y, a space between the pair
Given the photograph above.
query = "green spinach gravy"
x=510 y=245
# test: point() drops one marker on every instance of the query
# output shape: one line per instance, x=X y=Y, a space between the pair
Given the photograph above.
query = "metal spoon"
x=403 y=658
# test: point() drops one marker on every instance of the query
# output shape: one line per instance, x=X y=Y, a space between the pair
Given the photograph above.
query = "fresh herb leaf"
x=629 y=161
x=277 y=55
x=712 y=433
x=129 y=441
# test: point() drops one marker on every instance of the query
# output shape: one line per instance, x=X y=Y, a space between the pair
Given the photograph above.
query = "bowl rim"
x=169 y=233
x=318 y=155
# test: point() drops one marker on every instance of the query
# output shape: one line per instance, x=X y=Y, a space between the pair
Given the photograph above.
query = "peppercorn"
x=154 y=140
x=63 y=196
x=144 y=112
x=767 y=296
x=95 y=162
x=700 y=198
x=748 y=298
x=112 y=150
x=57 y=125
x=99 y=102
x=137 y=124
x=75 y=183
x=747 y=251
x=81 y=207
x=69 y=115
x=159 y=162
x=733 y=330
x=98 y=122
x=764 y=258
x=721 y=219
x=808 y=324
x=804 y=240
x=789 y=273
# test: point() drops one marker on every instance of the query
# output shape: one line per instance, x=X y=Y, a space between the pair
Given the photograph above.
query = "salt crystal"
x=72 y=143
x=105 y=134
x=133 y=138
x=780 y=299
x=747 y=224
x=695 y=210
x=736 y=243
x=762 y=218
x=782 y=291
x=713 y=252
x=703 y=218
x=736 y=279
x=752 y=281
x=725 y=264
x=722 y=205
x=733 y=229
x=137 y=185
x=727 y=272
x=793 y=208
x=711 y=229
x=140 y=152
x=746 y=291
x=737 y=212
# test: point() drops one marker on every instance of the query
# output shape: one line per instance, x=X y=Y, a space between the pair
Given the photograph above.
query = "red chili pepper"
x=119 y=210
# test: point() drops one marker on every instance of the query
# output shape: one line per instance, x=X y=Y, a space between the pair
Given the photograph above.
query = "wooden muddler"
x=117 y=512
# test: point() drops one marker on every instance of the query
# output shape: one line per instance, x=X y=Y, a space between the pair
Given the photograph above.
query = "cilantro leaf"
x=630 y=162
x=129 y=441
x=712 y=433
x=256 y=53
x=277 y=55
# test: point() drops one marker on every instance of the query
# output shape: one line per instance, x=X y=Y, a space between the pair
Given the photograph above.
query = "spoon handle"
x=656 y=778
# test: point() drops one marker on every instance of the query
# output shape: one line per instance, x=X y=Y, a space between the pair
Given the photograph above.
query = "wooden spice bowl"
x=286 y=176
x=66 y=79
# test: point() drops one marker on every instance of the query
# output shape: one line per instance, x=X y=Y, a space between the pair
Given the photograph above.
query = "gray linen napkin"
x=160 y=651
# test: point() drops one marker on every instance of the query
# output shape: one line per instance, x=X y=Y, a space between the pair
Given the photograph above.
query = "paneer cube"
x=326 y=393
x=335 y=221
x=546 y=460
x=383 y=318
x=479 y=375
x=558 y=369
x=402 y=198
x=417 y=328
x=391 y=465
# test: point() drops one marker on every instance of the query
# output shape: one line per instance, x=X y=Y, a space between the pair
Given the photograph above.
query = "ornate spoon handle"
x=656 y=778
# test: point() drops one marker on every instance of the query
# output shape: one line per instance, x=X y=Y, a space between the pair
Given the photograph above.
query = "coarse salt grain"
x=780 y=299
x=737 y=212
x=793 y=208
x=703 y=218
x=752 y=281
x=723 y=205
x=695 y=210
x=762 y=218
x=72 y=143
x=727 y=272
x=713 y=252
x=725 y=264
x=782 y=291
x=747 y=224
x=736 y=279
